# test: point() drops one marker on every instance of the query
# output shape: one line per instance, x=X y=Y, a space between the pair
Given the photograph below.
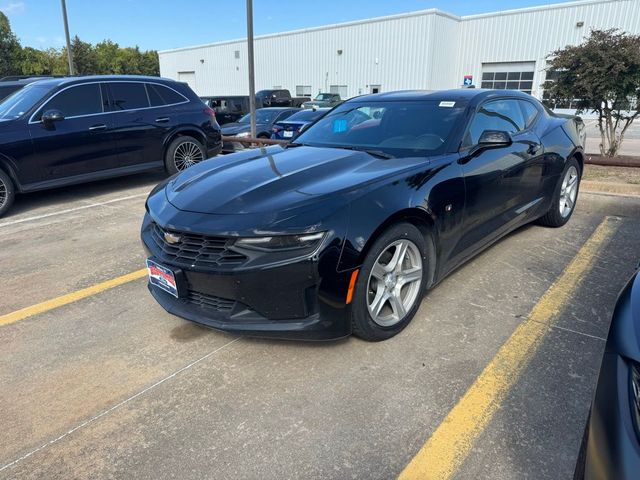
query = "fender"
x=183 y=129
x=9 y=167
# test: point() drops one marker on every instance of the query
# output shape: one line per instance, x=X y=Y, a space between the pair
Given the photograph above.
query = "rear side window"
x=128 y=95
x=75 y=101
x=530 y=113
x=504 y=115
x=161 y=95
x=284 y=115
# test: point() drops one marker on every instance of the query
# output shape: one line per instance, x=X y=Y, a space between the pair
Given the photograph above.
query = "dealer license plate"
x=162 y=277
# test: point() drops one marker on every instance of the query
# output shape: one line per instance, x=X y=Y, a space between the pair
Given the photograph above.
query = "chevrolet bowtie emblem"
x=171 y=238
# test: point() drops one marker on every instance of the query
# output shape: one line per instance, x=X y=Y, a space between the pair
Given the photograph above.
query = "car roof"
x=460 y=94
x=54 y=82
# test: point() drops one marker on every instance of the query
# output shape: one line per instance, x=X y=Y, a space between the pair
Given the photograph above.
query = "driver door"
x=82 y=142
x=494 y=177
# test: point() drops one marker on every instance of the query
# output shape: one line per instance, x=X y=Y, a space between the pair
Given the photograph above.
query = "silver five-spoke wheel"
x=186 y=155
x=4 y=193
x=568 y=191
x=394 y=283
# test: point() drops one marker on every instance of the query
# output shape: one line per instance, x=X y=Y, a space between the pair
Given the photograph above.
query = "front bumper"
x=304 y=299
x=613 y=448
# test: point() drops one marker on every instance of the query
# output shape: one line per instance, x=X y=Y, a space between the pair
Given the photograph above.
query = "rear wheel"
x=7 y=193
x=565 y=196
x=390 y=284
x=183 y=152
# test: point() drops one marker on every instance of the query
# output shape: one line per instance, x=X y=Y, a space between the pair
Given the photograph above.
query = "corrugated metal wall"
x=423 y=50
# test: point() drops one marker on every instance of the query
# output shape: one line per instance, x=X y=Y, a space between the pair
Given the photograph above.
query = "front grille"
x=193 y=249
x=210 y=302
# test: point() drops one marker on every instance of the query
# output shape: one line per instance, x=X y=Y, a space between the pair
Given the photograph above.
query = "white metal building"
x=428 y=49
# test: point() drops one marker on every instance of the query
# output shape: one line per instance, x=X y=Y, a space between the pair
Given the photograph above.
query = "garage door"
x=512 y=76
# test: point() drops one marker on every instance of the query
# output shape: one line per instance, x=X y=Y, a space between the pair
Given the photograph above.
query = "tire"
x=7 y=193
x=371 y=286
x=558 y=215
x=183 y=152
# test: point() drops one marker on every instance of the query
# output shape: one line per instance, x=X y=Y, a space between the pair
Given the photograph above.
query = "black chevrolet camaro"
x=345 y=229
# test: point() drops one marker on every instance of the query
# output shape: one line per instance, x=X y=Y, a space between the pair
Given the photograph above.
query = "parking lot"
x=111 y=386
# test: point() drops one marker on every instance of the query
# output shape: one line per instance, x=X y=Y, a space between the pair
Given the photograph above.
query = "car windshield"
x=401 y=129
x=262 y=116
x=306 y=115
x=20 y=102
x=323 y=96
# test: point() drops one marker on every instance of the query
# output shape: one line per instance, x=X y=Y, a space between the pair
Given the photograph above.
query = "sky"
x=162 y=24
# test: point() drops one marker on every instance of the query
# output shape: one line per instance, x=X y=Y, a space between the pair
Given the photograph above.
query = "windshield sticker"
x=339 y=125
x=447 y=104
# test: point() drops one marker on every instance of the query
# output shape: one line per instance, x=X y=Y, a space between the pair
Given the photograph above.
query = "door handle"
x=101 y=126
x=162 y=119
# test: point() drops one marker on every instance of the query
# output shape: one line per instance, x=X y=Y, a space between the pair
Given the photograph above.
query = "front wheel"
x=390 y=284
x=564 y=197
x=7 y=193
x=183 y=152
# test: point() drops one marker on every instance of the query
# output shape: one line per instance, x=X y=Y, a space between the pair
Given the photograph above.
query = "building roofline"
x=430 y=11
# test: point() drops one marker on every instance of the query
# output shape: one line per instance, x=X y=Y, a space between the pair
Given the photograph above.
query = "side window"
x=504 y=115
x=530 y=112
x=75 y=101
x=128 y=95
x=160 y=95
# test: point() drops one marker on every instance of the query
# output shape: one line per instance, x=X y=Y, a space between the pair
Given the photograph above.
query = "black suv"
x=62 y=131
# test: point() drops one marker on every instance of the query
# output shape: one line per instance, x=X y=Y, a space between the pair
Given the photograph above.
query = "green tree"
x=600 y=75
x=83 y=56
x=9 y=48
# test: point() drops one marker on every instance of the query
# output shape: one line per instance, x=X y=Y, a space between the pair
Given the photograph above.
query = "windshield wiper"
x=293 y=145
x=371 y=151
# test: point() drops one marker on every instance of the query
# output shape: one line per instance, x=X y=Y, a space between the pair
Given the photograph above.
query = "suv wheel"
x=183 y=152
x=7 y=193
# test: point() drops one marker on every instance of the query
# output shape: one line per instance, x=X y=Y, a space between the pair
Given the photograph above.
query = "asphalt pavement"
x=111 y=386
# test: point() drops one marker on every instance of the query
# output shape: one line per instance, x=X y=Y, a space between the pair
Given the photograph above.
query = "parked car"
x=343 y=230
x=611 y=443
x=63 y=131
x=279 y=98
x=229 y=108
x=287 y=129
x=324 y=100
x=265 y=118
x=10 y=86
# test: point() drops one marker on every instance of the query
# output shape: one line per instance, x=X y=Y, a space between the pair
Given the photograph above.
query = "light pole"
x=252 y=84
x=66 y=33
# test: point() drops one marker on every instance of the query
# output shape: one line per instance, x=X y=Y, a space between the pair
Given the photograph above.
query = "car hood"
x=317 y=103
x=234 y=128
x=278 y=179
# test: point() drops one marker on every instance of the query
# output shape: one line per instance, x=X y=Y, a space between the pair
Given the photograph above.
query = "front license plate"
x=287 y=134
x=162 y=277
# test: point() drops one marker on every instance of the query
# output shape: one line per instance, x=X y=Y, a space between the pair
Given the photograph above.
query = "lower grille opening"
x=210 y=302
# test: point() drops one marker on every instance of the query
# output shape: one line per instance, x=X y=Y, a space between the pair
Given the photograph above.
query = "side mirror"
x=494 y=138
x=51 y=116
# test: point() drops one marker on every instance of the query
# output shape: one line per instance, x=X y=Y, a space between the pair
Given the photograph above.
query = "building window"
x=339 y=89
x=303 y=90
x=522 y=81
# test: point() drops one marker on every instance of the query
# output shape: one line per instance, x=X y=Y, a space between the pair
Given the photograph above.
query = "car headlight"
x=280 y=243
x=242 y=134
x=635 y=393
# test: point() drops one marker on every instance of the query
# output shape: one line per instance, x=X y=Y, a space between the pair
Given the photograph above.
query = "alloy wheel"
x=568 y=192
x=186 y=155
x=4 y=193
x=394 y=282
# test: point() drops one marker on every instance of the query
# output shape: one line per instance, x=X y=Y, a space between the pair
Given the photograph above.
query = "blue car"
x=289 y=128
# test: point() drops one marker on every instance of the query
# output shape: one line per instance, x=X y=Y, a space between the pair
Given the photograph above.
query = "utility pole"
x=252 y=83
x=66 y=33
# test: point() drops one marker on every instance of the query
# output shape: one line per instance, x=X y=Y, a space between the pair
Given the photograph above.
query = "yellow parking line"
x=448 y=447
x=69 y=298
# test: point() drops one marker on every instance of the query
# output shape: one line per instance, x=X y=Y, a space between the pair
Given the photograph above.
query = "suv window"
x=530 y=112
x=128 y=95
x=161 y=95
x=75 y=101
x=504 y=115
x=285 y=114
